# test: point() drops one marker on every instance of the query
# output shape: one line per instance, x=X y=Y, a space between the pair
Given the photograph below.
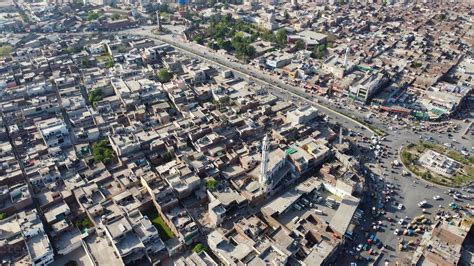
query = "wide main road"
x=252 y=73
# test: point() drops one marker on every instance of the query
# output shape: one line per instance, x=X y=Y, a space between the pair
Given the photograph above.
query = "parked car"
x=422 y=203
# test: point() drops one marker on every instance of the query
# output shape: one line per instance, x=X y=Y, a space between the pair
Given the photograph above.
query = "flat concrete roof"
x=280 y=204
x=341 y=220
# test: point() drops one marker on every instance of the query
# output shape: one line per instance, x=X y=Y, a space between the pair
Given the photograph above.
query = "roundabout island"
x=438 y=164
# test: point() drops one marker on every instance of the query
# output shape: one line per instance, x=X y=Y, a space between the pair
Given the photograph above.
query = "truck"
x=319 y=212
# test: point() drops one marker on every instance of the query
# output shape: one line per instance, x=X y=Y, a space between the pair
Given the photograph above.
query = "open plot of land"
x=163 y=229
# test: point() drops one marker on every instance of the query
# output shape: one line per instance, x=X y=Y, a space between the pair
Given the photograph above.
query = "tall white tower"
x=340 y=135
x=264 y=165
x=348 y=50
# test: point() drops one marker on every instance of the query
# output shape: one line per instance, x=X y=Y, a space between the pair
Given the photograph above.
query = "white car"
x=422 y=203
x=401 y=221
x=359 y=247
x=396 y=232
x=400 y=206
x=437 y=197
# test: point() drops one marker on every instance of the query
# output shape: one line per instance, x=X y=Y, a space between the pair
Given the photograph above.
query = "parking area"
x=308 y=205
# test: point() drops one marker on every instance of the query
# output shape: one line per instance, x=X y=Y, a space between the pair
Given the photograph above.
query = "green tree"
x=407 y=157
x=199 y=39
x=102 y=152
x=121 y=49
x=426 y=175
x=84 y=223
x=3 y=215
x=115 y=16
x=85 y=62
x=281 y=37
x=198 y=248
x=95 y=96
x=92 y=16
x=223 y=44
x=5 y=50
x=300 y=45
x=71 y=50
x=110 y=63
x=164 y=75
x=417 y=64
x=268 y=36
x=287 y=15
x=319 y=51
x=211 y=184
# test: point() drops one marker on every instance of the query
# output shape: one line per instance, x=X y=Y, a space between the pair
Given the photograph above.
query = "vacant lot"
x=163 y=229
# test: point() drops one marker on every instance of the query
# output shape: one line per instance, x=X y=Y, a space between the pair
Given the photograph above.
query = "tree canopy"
x=198 y=248
x=93 y=15
x=319 y=51
x=211 y=184
x=5 y=50
x=164 y=75
x=300 y=45
x=115 y=16
x=95 y=95
x=102 y=152
x=281 y=37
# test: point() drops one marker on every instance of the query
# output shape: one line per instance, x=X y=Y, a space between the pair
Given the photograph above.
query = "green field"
x=163 y=229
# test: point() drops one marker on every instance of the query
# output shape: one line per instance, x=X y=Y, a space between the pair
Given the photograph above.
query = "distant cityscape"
x=192 y=132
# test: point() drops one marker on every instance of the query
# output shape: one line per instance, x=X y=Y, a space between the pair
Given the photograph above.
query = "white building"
x=98 y=48
x=302 y=115
x=365 y=88
x=54 y=132
x=438 y=163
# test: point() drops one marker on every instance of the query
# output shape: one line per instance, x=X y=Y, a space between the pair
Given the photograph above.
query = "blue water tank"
x=183 y=2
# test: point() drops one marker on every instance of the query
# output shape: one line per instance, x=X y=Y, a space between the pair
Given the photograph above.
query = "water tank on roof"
x=183 y=2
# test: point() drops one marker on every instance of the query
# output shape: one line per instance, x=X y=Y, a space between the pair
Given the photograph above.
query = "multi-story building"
x=54 y=132
x=364 y=89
